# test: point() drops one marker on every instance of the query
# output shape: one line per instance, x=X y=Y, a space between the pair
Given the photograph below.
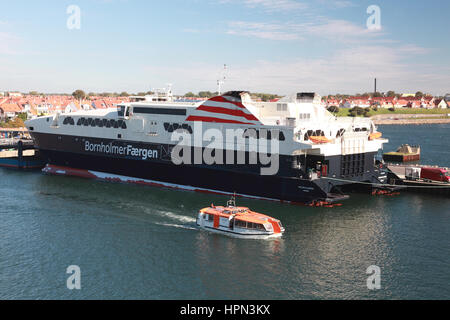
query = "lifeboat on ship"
x=375 y=135
x=319 y=139
x=238 y=221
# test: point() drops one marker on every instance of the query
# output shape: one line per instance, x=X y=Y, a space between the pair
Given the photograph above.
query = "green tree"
x=189 y=95
x=79 y=94
x=333 y=109
x=377 y=94
x=205 y=94
x=419 y=94
x=390 y=94
x=23 y=116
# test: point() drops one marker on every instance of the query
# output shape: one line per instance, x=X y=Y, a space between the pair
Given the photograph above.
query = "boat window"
x=251 y=133
x=146 y=110
x=265 y=134
x=282 y=107
x=120 y=111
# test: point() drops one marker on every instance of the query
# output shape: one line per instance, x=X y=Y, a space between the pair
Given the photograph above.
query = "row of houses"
x=426 y=102
x=12 y=105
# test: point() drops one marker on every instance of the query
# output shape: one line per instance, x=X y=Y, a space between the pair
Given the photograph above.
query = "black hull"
x=289 y=184
x=66 y=151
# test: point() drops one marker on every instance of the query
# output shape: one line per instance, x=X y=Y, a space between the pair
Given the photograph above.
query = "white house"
x=444 y=104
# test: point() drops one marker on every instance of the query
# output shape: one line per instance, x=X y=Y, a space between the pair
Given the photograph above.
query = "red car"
x=435 y=174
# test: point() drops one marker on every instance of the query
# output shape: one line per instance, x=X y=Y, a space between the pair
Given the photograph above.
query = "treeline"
x=80 y=94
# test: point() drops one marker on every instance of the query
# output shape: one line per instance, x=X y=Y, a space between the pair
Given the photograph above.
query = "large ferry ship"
x=289 y=150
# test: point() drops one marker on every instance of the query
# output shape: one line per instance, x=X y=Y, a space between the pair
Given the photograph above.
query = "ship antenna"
x=221 y=81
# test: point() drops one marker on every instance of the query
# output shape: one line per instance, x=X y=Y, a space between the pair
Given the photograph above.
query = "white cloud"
x=275 y=6
x=346 y=71
x=337 y=3
x=262 y=30
x=338 y=30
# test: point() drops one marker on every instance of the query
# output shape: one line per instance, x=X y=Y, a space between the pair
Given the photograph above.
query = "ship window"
x=251 y=133
x=281 y=107
x=115 y=124
x=104 y=122
x=69 y=120
x=304 y=116
x=177 y=112
x=120 y=111
x=277 y=134
x=93 y=122
x=239 y=223
x=108 y=123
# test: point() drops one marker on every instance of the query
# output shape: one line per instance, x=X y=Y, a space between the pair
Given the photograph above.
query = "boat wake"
x=180 y=226
x=177 y=217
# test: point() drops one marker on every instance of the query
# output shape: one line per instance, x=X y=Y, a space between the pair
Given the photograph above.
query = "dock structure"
x=18 y=153
x=397 y=175
x=11 y=133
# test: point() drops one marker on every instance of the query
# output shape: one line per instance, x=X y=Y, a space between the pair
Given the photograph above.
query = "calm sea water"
x=142 y=243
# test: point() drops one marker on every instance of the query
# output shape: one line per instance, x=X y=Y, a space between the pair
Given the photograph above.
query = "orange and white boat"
x=238 y=221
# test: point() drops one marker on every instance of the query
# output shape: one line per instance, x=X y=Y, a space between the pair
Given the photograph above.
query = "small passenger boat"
x=238 y=221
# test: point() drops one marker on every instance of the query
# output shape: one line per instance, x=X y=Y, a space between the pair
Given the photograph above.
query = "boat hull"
x=289 y=184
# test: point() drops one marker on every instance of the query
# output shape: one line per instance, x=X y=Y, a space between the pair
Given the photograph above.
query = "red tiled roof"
x=11 y=107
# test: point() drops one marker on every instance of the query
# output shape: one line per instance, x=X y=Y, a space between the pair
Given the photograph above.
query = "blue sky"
x=277 y=46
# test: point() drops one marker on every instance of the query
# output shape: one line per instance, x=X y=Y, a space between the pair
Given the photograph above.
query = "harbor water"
x=136 y=242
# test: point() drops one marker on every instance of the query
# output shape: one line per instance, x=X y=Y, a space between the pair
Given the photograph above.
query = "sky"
x=273 y=46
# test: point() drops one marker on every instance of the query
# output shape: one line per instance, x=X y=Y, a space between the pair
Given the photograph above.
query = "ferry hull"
x=182 y=177
x=289 y=184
